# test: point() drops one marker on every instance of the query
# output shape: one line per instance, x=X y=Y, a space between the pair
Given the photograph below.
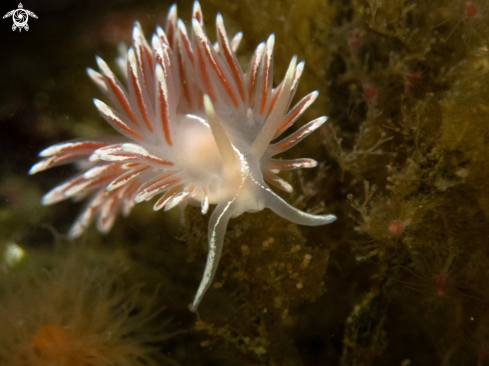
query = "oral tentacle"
x=288 y=212
x=217 y=229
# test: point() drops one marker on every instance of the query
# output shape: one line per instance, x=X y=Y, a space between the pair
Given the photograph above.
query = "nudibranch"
x=195 y=128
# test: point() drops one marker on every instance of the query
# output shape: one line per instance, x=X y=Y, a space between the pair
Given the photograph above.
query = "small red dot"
x=396 y=227
x=470 y=10
x=369 y=93
x=414 y=78
x=354 y=42
x=441 y=283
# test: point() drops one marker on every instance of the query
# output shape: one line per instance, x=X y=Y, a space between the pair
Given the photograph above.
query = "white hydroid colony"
x=195 y=127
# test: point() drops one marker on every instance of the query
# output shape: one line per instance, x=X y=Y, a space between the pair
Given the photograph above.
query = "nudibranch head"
x=195 y=128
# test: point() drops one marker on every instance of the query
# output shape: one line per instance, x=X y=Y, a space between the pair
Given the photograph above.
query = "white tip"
x=162 y=35
x=99 y=104
x=197 y=28
x=312 y=164
x=181 y=27
x=219 y=20
x=102 y=65
x=97 y=78
x=204 y=205
x=138 y=199
x=321 y=120
x=175 y=200
x=198 y=9
x=286 y=185
x=38 y=167
x=236 y=41
x=92 y=73
x=48 y=199
x=155 y=42
x=94 y=157
x=135 y=149
x=137 y=31
x=54 y=195
x=131 y=55
x=299 y=69
x=271 y=41
x=172 y=14
x=49 y=151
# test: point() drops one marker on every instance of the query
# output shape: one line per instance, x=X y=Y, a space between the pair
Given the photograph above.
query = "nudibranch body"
x=195 y=128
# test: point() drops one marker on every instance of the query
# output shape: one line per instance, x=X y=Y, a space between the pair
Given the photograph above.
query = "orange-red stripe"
x=230 y=61
x=285 y=144
x=164 y=114
x=157 y=160
x=205 y=76
x=149 y=57
x=275 y=97
x=123 y=154
x=161 y=185
x=253 y=70
x=106 y=214
x=161 y=202
x=293 y=164
x=122 y=100
x=157 y=181
x=219 y=73
x=125 y=127
x=139 y=98
x=88 y=145
x=129 y=175
x=94 y=182
x=170 y=32
x=140 y=63
x=283 y=166
x=292 y=139
x=69 y=185
x=295 y=112
x=130 y=165
x=183 y=76
x=108 y=169
x=188 y=48
x=264 y=88
x=198 y=16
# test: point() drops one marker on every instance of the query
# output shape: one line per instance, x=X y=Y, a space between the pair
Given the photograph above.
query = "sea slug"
x=195 y=128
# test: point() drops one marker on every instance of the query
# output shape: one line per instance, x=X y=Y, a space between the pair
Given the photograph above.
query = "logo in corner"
x=20 y=17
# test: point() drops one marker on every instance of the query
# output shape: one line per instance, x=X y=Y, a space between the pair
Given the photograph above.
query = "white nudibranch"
x=195 y=128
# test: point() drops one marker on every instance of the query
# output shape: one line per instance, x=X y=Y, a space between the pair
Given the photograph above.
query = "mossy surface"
x=400 y=278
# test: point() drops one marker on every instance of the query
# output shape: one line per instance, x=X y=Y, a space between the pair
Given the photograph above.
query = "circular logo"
x=20 y=18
